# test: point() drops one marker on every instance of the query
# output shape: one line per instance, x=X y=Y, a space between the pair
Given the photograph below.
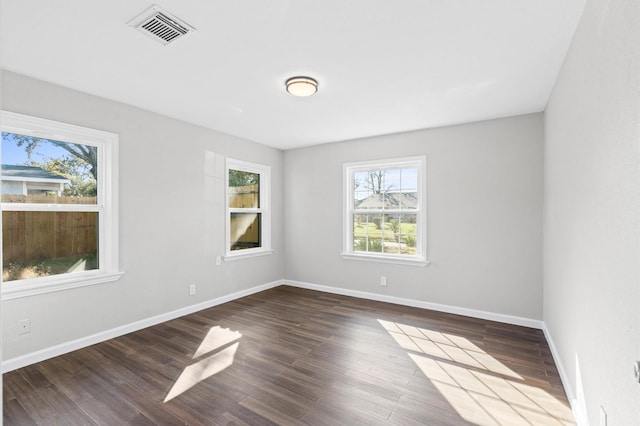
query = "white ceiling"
x=383 y=66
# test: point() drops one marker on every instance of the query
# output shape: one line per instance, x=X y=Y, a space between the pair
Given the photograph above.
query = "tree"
x=86 y=153
x=240 y=178
x=373 y=182
x=83 y=184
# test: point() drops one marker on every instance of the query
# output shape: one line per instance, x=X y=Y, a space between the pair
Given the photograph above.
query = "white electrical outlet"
x=218 y=260
x=24 y=326
x=383 y=280
x=192 y=289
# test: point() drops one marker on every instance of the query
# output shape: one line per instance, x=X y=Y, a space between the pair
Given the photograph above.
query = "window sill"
x=386 y=259
x=15 y=290
x=252 y=253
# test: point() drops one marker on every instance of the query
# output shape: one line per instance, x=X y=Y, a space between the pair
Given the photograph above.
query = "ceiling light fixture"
x=301 y=86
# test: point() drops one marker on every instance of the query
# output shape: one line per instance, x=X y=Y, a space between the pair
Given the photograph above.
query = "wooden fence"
x=35 y=235
x=245 y=227
x=244 y=196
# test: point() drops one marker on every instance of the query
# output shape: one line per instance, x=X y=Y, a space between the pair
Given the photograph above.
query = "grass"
x=370 y=238
x=364 y=230
x=47 y=267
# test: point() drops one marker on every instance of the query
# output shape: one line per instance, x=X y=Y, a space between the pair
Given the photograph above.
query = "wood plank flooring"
x=290 y=356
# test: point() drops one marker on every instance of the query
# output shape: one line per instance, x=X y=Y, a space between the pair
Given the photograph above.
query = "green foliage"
x=394 y=225
x=78 y=171
x=240 y=178
x=372 y=246
x=44 y=268
x=86 y=153
x=410 y=240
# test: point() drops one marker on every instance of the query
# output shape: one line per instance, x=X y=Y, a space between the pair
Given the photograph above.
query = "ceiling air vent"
x=160 y=25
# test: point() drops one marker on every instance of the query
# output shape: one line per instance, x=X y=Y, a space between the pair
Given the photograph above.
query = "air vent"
x=160 y=25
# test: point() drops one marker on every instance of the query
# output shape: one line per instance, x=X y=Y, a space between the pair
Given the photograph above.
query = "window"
x=59 y=206
x=385 y=211
x=248 y=211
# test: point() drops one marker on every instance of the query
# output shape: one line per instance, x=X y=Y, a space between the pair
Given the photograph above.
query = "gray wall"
x=592 y=214
x=171 y=221
x=484 y=216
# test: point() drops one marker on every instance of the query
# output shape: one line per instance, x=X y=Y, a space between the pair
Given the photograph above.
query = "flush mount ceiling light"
x=302 y=86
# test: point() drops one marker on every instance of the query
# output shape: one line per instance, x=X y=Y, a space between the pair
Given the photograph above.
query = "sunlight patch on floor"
x=217 y=337
x=195 y=373
x=480 y=388
x=445 y=346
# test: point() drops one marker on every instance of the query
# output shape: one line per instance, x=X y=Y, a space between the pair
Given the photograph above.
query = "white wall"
x=171 y=220
x=592 y=214
x=484 y=216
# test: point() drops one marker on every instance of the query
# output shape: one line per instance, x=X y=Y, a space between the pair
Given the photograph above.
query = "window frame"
x=106 y=204
x=264 y=210
x=349 y=170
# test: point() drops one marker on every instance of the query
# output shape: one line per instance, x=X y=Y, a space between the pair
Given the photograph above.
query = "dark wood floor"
x=291 y=356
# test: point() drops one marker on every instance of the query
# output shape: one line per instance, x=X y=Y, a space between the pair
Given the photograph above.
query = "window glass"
x=59 y=206
x=40 y=244
x=37 y=170
x=385 y=207
x=245 y=230
x=244 y=189
x=248 y=223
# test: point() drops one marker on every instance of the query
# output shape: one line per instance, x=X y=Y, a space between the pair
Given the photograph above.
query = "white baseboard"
x=53 y=351
x=491 y=316
x=579 y=413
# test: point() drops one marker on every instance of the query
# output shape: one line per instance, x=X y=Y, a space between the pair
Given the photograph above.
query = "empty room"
x=410 y=212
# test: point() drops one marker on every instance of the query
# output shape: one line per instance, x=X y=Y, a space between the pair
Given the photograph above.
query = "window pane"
x=409 y=188
x=36 y=170
x=244 y=189
x=388 y=189
x=245 y=231
x=369 y=232
x=409 y=177
x=39 y=244
x=386 y=207
x=408 y=232
x=392 y=182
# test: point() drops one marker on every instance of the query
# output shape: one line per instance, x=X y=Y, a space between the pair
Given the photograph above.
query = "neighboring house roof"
x=30 y=173
x=407 y=200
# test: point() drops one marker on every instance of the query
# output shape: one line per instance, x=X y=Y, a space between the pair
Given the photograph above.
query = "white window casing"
x=106 y=204
x=264 y=210
x=353 y=201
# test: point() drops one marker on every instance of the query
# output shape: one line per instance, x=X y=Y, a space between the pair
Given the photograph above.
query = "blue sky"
x=395 y=180
x=12 y=154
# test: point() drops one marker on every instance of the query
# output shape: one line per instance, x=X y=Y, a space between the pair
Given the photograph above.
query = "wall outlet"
x=24 y=326
x=636 y=371
x=218 y=260
x=192 y=289
x=383 y=280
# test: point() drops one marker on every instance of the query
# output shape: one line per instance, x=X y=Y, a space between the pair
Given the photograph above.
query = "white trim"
x=106 y=144
x=264 y=209
x=579 y=415
x=32 y=287
x=63 y=348
x=491 y=316
x=386 y=259
x=348 y=169
x=243 y=254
